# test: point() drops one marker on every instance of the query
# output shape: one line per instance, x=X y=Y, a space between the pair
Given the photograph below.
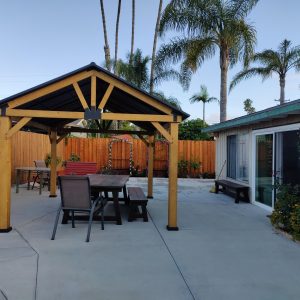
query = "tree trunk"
x=106 y=45
x=117 y=36
x=203 y=112
x=224 y=61
x=154 y=46
x=282 y=89
x=132 y=31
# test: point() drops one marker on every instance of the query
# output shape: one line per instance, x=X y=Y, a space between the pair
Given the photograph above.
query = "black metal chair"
x=37 y=177
x=76 y=197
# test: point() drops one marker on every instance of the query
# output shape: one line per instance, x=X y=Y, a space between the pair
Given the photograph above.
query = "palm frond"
x=194 y=17
x=197 y=51
x=248 y=73
x=166 y=74
x=241 y=8
x=185 y=76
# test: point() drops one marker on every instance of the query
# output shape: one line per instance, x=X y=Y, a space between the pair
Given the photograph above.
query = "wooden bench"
x=137 y=198
x=80 y=168
x=239 y=191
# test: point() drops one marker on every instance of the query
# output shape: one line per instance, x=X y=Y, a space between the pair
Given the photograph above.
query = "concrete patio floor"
x=222 y=251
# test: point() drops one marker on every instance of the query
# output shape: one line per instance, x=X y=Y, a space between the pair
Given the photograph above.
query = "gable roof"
x=276 y=112
x=66 y=99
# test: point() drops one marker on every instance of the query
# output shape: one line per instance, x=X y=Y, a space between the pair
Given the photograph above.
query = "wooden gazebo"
x=88 y=93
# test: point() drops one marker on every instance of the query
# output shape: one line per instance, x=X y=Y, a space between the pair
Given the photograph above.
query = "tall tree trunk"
x=282 y=89
x=132 y=31
x=106 y=45
x=154 y=46
x=117 y=36
x=203 y=112
x=224 y=62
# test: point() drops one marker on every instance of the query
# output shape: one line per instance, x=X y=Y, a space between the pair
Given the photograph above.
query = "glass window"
x=242 y=157
x=238 y=157
x=231 y=156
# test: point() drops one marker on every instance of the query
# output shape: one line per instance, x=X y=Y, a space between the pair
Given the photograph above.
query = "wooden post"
x=173 y=169
x=5 y=178
x=150 y=166
x=53 y=165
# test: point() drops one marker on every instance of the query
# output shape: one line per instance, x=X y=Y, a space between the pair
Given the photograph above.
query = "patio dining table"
x=106 y=183
x=30 y=171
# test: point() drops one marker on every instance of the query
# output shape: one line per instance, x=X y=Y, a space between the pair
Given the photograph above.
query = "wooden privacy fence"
x=28 y=147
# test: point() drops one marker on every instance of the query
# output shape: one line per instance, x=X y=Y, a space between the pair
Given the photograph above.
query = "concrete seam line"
x=3 y=294
x=173 y=258
x=37 y=261
x=38 y=218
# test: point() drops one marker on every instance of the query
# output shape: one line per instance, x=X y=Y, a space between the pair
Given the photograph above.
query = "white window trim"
x=269 y=130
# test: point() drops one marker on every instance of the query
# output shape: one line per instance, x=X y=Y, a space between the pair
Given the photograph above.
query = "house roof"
x=66 y=99
x=276 y=112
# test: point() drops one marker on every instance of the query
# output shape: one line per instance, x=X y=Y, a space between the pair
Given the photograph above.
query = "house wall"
x=221 y=146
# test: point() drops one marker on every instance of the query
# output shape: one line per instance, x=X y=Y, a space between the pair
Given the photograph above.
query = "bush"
x=48 y=160
x=286 y=199
x=74 y=157
x=208 y=175
x=295 y=222
x=183 y=168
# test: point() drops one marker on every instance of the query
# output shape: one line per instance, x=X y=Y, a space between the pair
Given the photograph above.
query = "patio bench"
x=79 y=168
x=137 y=198
x=239 y=191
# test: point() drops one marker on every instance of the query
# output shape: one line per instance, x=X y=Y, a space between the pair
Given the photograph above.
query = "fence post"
x=150 y=165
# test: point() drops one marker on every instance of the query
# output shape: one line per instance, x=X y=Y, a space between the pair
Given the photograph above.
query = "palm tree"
x=117 y=35
x=169 y=99
x=132 y=29
x=207 y=26
x=152 y=76
x=203 y=97
x=281 y=61
x=135 y=69
x=106 y=45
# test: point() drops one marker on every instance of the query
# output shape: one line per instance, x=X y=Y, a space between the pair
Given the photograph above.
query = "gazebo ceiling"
x=124 y=98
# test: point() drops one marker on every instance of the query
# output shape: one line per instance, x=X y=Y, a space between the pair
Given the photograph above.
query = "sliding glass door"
x=276 y=158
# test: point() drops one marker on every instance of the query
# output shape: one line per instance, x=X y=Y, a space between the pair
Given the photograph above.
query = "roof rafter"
x=31 y=96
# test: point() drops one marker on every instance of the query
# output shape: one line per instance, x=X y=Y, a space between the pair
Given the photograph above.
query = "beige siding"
x=221 y=155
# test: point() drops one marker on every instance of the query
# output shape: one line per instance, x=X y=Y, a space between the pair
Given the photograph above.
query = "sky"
x=41 y=40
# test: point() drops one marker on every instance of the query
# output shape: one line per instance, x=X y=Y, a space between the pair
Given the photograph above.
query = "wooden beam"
x=106 y=97
x=163 y=131
x=151 y=145
x=39 y=126
x=109 y=131
x=53 y=164
x=93 y=91
x=17 y=127
x=44 y=114
x=80 y=115
x=143 y=140
x=173 y=169
x=61 y=138
x=137 y=117
x=49 y=89
x=5 y=181
x=135 y=93
x=80 y=95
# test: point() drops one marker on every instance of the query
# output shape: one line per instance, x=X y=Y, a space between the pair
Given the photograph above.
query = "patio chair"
x=76 y=197
x=46 y=179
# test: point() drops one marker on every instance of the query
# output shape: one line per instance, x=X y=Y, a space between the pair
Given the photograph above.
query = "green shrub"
x=183 y=168
x=295 y=221
x=286 y=198
x=74 y=157
x=208 y=175
x=48 y=160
